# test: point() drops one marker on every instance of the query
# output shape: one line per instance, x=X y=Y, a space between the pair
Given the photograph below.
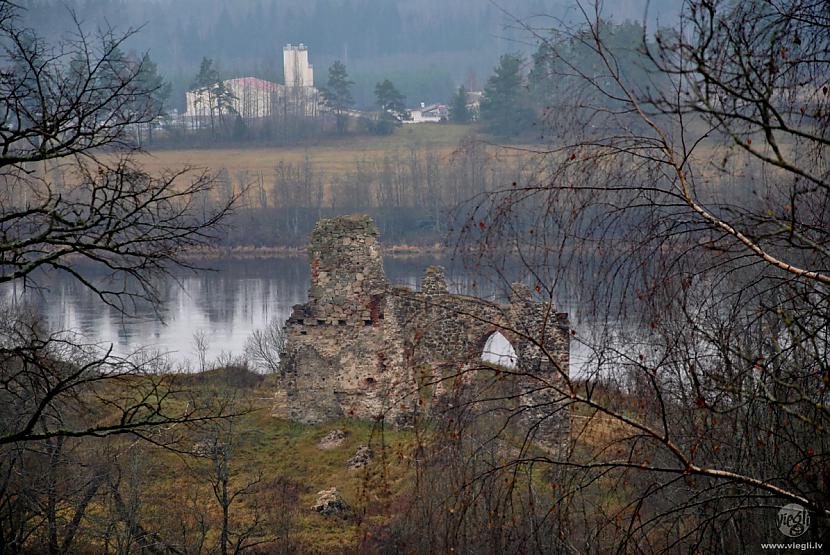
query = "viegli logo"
x=793 y=520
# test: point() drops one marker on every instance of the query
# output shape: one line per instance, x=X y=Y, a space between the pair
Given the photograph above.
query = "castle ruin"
x=361 y=347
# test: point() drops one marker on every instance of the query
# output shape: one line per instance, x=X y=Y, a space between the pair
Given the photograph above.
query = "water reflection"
x=225 y=304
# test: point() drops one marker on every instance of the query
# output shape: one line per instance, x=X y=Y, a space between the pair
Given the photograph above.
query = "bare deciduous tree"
x=230 y=487
x=70 y=107
x=74 y=200
x=265 y=346
x=685 y=220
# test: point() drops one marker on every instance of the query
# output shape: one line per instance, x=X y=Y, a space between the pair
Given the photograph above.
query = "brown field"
x=332 y=157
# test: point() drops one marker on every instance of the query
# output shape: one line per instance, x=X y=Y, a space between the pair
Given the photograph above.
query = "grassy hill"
x=274 y=468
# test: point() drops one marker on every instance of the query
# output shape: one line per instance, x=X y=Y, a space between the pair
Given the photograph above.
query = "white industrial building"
x=251 y=97
x=298 y=72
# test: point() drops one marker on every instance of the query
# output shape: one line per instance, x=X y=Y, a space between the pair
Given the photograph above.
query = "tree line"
x=424 y=43
x=410 y=193
x=515 y=103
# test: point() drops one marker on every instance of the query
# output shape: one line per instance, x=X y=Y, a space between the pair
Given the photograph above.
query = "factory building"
x=251 y=97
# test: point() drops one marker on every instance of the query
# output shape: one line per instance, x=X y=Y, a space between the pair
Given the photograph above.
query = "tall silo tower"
x=298 y=72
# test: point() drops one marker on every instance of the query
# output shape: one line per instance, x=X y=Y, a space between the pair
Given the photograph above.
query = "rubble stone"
x=361 y=458
x=330 y=503
x=332 y=440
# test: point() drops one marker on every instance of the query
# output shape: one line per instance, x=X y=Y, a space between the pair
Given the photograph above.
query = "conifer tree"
x=505 y=108
x=459 y=113
x=337 y=94
x=149 y=79
x=389 y=99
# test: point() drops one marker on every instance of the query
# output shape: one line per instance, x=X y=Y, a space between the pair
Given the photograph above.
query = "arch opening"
x=498 y=350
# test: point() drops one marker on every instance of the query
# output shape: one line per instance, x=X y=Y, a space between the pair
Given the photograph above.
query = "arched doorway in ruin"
x=498 y=350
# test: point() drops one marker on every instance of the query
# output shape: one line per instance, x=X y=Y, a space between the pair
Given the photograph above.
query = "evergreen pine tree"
x=505 y=107
x=389 y=99
x=218 y=98
x=337 y=94
x=458 y=107
x=150 y=80
x=208 y=75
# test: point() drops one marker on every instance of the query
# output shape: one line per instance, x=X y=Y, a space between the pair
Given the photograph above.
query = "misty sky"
x=427 y=47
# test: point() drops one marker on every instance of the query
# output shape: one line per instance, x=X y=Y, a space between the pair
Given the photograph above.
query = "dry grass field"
x=332 y=157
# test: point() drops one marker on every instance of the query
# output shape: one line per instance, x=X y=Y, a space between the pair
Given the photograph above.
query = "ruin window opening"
x=367 y=322
x=498 y=350
x=341 y=322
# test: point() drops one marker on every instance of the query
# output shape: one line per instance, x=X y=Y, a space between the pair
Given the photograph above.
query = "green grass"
x=281 y=449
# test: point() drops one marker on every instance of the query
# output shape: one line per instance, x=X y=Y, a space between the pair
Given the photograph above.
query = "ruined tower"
x=363 y=348
x=338 y=349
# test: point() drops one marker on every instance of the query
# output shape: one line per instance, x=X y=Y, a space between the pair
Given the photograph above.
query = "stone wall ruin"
x=361 y=347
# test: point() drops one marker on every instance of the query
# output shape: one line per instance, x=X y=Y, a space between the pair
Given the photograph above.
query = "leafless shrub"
x=265 y=347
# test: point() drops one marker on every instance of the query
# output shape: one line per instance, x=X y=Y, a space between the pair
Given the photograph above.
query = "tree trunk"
x=55 y=449
x=225 y=502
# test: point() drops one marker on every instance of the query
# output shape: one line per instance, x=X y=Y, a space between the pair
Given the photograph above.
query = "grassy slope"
x=175 y=488
x=283 y=450
x=290 y=450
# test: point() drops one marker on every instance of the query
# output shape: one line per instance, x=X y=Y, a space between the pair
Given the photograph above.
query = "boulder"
x=361 y=458
x=330 y=503
x=334 y=438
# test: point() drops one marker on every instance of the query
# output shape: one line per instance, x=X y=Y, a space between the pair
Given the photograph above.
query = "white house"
x=434 y=113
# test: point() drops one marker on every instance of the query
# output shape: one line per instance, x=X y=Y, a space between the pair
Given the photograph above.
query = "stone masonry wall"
x=362 y=348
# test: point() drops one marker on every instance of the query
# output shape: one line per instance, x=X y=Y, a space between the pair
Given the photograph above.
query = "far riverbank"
x=251 y=252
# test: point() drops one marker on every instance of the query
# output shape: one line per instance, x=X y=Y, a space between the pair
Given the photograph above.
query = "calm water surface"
x=225 y=305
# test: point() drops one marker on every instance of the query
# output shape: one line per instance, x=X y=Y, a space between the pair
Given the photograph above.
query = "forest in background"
x=428 y=48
